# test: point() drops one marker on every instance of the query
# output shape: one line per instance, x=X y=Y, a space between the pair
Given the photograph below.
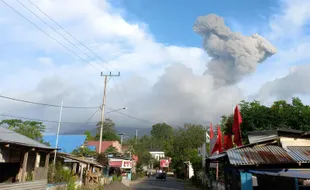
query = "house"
x=24 y=160
x=67 y=143
x=157 y=154
x=86 y=170
x=278 y=159
x=105 y=145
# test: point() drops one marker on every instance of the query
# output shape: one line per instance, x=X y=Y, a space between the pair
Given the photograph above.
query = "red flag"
x=218 y=144
x=236 y=127
x=211 y=132
x=212 y=139
x=228 y=144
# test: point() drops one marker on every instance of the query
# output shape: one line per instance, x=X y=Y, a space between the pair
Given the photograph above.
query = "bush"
x=117 y=178
x=61 y=175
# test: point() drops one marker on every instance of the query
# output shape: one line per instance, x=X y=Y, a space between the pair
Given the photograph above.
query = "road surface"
x=150 y=183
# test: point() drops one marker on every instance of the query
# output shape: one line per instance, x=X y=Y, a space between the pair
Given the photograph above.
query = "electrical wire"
x=47 y=34
x=81 y=43
x=66 y=49
x=57 y=32
x=40 y=120
x=45 y=104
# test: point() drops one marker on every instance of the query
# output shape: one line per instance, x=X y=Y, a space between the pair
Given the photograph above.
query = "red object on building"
x=115 y=164
x=105 y=145
x=164 y=163
x=228 y=144
x=218 y=144
x=236 y=127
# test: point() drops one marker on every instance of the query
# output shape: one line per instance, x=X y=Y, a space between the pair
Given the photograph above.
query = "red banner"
x=164 y=163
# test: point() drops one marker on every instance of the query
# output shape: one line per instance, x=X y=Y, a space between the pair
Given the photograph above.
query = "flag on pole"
x=212 y=139
x=236 y=127
x=218 y=145
x=228 y=144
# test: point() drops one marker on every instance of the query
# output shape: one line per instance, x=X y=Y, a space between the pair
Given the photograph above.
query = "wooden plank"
x=24 y=170
x=32 y=185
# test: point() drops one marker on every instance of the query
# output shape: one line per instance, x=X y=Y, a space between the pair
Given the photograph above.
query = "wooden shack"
x=23 y=161
x=87 y=170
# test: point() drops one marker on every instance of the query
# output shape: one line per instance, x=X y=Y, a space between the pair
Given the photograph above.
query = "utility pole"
x=136 y=135
x=103 y=104
x=57 y=136
x=122 y=135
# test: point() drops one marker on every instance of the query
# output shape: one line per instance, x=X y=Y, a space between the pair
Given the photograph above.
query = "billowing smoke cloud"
x=296 y=82
x=233 y=55
x=178 y=96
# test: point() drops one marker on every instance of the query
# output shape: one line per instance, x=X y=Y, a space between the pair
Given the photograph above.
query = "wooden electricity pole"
x=103 y=104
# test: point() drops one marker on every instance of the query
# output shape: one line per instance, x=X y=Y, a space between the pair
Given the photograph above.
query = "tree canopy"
x=281 y=114
x=31 y=129
x=108 y=132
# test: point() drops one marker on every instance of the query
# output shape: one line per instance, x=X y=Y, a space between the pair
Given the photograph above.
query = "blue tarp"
x=293 y=173
x=67 y=143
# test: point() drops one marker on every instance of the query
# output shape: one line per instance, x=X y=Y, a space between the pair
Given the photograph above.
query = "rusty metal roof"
x=259 y=155
x=300 y=153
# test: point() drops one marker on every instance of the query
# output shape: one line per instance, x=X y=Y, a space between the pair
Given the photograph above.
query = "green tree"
x=185 y=146
x=89 y=136
x=111 y=150
x=102 y=159
x=84 y=152
x=280 y=114
x=108 y=132
x=162 y=137
x=31 y=129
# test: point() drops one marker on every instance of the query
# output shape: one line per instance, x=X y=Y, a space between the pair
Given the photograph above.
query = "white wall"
x=158 y=155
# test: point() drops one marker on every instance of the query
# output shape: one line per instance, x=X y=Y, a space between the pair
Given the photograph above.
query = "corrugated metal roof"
x=9 y=136
x=79 y=159
x=293 y=173
x=259 y=155
x=300 y=153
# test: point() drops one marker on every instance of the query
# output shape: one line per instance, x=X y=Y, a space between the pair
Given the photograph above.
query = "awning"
x=293 y=173
x=115 y=164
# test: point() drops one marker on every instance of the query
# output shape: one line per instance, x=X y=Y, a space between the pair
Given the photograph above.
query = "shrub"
x=61 y=175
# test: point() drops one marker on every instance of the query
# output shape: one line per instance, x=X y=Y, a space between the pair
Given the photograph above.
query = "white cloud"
x=154 y=85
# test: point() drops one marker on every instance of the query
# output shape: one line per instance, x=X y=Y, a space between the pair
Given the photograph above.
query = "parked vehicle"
x=161 y=176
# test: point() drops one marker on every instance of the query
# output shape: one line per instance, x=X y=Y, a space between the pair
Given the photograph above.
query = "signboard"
x=164 y=163
x=126 y=164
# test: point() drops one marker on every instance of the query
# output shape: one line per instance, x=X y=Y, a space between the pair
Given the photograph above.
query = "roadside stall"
x=126 y=169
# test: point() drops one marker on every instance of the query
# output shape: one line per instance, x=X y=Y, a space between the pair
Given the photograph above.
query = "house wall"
x=105 y=145
x=157 y=155
x=117 y=145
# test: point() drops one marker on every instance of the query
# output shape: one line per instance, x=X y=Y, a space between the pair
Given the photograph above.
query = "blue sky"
x=160 y=57
x=171 y=21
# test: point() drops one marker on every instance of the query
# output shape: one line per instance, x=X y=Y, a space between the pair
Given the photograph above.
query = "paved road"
x=152 y=184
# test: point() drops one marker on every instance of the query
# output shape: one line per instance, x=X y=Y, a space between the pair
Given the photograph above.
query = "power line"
x=61 y=36
x=56 y=31
x=81 y=43
x=48 y=34
x=92 y=116
x=70 y=34
x=40 y=120
x=72 y=107
x=45 y=104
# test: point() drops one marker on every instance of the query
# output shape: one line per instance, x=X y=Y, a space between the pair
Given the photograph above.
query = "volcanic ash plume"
x=232 y=54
